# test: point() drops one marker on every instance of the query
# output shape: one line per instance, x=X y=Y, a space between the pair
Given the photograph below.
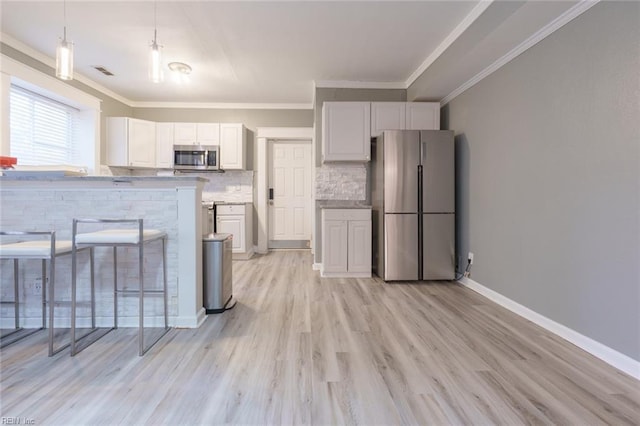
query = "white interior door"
x=290 y=186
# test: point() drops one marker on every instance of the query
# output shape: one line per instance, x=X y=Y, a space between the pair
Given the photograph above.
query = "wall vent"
x=103 y=70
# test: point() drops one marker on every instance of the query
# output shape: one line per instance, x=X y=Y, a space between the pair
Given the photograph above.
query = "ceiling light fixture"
x=180 y=71
x=155 y=53
x=64 y=53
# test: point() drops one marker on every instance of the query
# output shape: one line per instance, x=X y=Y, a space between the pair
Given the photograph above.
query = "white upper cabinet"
x=233 y=146
x=404 y=116
x=208 y=133
x=423 y=116
x=387 y=116
x=131 y=142
x=184 y=133
x=346 y=131
x=164 y=145
x=196 y=134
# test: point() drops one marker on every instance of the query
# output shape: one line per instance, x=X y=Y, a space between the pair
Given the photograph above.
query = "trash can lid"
x=216 y=237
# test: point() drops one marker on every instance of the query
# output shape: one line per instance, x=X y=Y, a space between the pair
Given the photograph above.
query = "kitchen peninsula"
x=171 y=204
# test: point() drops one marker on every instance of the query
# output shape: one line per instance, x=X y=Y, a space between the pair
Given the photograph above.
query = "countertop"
x=53 y=177
x=342 y=204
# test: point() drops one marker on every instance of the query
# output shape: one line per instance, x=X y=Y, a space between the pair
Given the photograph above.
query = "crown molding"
x=220 y=105
x=51 y=62
x=346 y=84
x=538 y=36
x=448 y=41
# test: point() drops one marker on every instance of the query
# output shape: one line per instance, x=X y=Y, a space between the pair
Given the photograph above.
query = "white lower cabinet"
x=346 y=243
x=237 y=219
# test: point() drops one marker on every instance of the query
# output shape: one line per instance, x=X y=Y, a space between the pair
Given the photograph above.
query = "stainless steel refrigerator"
x=413 y=200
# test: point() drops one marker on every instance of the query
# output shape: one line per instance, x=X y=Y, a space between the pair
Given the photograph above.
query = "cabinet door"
x=346 y=131
x=423 y=116
x=142 y=143
x=164 y=145
x=334 y=246
x=359 y=246
x=387 y=116
x=185 y=133
x=118 y=141
x=233 y=224
x=208 y=133
x=232 y=146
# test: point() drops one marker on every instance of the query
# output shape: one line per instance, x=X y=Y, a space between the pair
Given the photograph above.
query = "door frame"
x=263 y=134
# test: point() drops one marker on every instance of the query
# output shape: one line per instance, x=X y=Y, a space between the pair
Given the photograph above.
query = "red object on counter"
x=6 y=162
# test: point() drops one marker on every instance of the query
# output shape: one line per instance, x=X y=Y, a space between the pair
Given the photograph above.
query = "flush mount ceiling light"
x=155 y=53
x=180 y=71
x=64 y=53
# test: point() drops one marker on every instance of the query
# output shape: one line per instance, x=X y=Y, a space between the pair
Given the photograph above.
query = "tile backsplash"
x=341 y=182
x=230 y=186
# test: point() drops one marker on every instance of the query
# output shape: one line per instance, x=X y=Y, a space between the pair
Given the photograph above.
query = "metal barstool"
x=132 y=237
x=44 y=250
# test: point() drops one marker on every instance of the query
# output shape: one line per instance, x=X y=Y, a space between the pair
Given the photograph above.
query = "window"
x=43 y=131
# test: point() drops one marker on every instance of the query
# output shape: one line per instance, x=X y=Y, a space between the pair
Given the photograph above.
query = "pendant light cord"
x=155 y=22
x=64 y=20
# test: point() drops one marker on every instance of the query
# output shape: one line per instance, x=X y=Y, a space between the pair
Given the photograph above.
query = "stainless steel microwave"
x=196 y=157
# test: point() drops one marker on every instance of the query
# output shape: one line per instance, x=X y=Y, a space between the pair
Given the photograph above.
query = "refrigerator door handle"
x=420 y=227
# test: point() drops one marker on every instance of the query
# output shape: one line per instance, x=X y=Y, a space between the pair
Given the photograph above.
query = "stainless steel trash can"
x=217 y=272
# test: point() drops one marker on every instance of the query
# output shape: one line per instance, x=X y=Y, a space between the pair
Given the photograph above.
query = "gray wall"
x=109 y=106
x=548 y=159
x=251 y=118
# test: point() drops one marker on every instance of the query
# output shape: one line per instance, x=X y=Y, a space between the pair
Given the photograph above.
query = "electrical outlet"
x=37 y=286
x=470 y=258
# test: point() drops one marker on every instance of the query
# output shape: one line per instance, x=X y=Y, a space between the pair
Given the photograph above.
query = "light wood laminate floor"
x=298 y=349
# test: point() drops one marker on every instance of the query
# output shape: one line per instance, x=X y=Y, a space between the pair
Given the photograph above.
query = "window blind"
x=43 y=131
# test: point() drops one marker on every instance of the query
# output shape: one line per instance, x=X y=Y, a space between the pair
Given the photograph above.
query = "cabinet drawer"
x=346 y=214
x=222 y=209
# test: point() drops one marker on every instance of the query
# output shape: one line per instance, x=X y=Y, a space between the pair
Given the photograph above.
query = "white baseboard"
x=345 y=274
x=258 y=251
x=597 y=349
x=191 y=321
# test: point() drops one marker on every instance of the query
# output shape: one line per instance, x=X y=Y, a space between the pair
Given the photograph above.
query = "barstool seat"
x=131 y=237
x=39 y=249
x=118 y=236
x=43 y=250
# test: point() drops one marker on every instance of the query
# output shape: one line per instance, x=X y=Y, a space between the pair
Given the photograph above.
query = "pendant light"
x=155 y=53
x=64 y=53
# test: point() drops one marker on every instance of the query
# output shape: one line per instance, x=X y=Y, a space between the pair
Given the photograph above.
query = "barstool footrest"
x=165 y=331
x=138 y=291
x=16 y=335
x=79 y=341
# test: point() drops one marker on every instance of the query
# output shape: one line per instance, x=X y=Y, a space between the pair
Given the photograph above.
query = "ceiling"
x=270 y=52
